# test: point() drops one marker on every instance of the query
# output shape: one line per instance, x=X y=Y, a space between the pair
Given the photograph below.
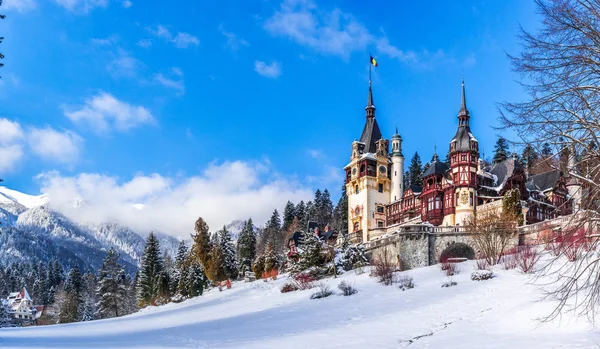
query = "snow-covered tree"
x=230 y=266
x=196 y=279
x=111 y=291
x=246 y=246
x=71 y=309
x=289 y=212
x=272 y=259
x=352 y=257
x=313 y=256
x=6 y=316
x=202 y=243
x=150 y=271
x=500 y=150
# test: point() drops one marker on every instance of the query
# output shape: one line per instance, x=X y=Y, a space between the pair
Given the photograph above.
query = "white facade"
x=397 y=174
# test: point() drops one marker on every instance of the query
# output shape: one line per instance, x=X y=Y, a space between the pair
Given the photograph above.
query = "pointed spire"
x=464 y=112
x=370 y=106
x=436 y=158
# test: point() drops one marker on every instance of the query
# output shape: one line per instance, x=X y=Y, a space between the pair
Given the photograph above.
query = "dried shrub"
x=449 y=284
x=347 y=289
x=406 y=282
x=482 y=264
x=526 y=258
x=480 y=275
x=289 y=287
x=271 y=274
x=383 y=269
x=304 y=281
x=450 y=268
x=509 y=261
x=323 y=292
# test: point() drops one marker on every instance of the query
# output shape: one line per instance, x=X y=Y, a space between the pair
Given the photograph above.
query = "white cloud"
x=315 y=153
x=19 y=5
x=124 y=65
x=335 y=32
x=339 y=34
x=145 y=43
x=11 y=148
x=272 y=70
x=173 y=81
x=127 y=4
x=220 y=194
x=104 y=112
x=81 y=6
x=185 y=40
x=234 y=42
x=108 y=41
x=181 y=40
x=55 y=146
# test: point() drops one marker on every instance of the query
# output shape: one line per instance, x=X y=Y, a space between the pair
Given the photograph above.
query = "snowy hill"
x=30 y=231
x=498 y=313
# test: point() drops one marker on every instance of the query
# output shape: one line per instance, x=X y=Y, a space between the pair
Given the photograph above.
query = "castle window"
x=379 y=209
x=356 y=226
x=356 y=189
x=379 y=224
x=471 y=199
x=380 y=188
x=437 y=203
x=456 y=204
x=463 y=157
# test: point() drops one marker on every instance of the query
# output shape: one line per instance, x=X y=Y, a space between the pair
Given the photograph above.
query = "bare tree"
x=560 y=71
x=493 y=233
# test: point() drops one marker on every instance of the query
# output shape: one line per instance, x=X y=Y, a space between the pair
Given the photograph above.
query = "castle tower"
x=368 y=181
x=397 y=168
x=573 y=183
x=464 y=157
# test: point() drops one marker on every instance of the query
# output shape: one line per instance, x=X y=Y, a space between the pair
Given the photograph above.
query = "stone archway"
x=457 y=250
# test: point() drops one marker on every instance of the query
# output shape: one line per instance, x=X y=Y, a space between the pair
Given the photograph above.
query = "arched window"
x=356 y=226
x=356 y=189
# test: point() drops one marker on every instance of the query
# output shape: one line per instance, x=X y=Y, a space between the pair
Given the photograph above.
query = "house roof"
x=503 y=171
x=543 y=181
x=435 y=168
x=417 y=189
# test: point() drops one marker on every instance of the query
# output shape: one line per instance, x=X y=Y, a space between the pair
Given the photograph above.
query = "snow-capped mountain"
x=30 y=231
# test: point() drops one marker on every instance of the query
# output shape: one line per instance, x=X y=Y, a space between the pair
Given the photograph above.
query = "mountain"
x=30 y=231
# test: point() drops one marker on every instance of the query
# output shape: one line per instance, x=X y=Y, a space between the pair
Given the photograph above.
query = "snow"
x=497 y=313
x=29 y=201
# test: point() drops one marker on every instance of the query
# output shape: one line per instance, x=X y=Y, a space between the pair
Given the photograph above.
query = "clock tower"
x=464 y=156
x=368 y=179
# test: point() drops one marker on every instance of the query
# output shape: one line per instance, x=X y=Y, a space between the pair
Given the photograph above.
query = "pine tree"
x=312 y=254
x=406 y=180
x=529 y=157
x=301 y=212
x=111 y=290
x=150 y=271
x=324 y=209
x=229 y=259
x=71 y=309
x=289 y=212
x=273 y=233
x=340 y=213
x=202 y=244
x=353 y=256
x=511 y=205
x=271 y=259
x=415 y=170
x=176 y=269
x=196 y=279
x=246 y=246
x=546 y=151
x=500 y=150
x=215 y=271
x=6 y=316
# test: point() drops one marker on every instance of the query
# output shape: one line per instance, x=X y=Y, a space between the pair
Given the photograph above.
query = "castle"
x=379 y=203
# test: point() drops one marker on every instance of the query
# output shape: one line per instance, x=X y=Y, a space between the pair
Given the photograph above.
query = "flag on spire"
x=373 y=61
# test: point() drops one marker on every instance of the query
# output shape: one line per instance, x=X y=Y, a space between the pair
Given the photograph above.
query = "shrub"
x=271 y=274
x=289 y=287
x=457 y=250
x=347 y=289
x=406 y=282
x=482 y=264
x=323 y=292
x=450 y=268
x=480 y=275
x=449 y=284
x=304 y=281
x=509 y=261
x=383 y=269
x=526 y=258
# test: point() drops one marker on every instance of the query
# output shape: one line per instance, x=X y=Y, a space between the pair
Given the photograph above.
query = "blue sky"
x=243 y=104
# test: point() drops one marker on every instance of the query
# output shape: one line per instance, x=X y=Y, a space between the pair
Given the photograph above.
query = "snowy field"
x=498 y=313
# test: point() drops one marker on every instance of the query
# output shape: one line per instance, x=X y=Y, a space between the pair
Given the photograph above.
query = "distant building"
x=379 y=203
x=22 y=306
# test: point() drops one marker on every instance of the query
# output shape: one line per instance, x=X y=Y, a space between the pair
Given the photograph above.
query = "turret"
x=397 y=168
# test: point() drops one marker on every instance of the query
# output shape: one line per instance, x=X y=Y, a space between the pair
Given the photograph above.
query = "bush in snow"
x=383 y=268
x=482 y=264
x=450 y=268
x=323 y=292
x=449 y=284
x=289 y=287
x=480 y=275
x=509 y=261
x=406 y=282
x=353 y=256
x=347 y=289
x=527 y=258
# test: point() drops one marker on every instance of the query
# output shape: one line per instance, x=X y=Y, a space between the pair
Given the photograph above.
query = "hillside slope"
x=498 y=313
